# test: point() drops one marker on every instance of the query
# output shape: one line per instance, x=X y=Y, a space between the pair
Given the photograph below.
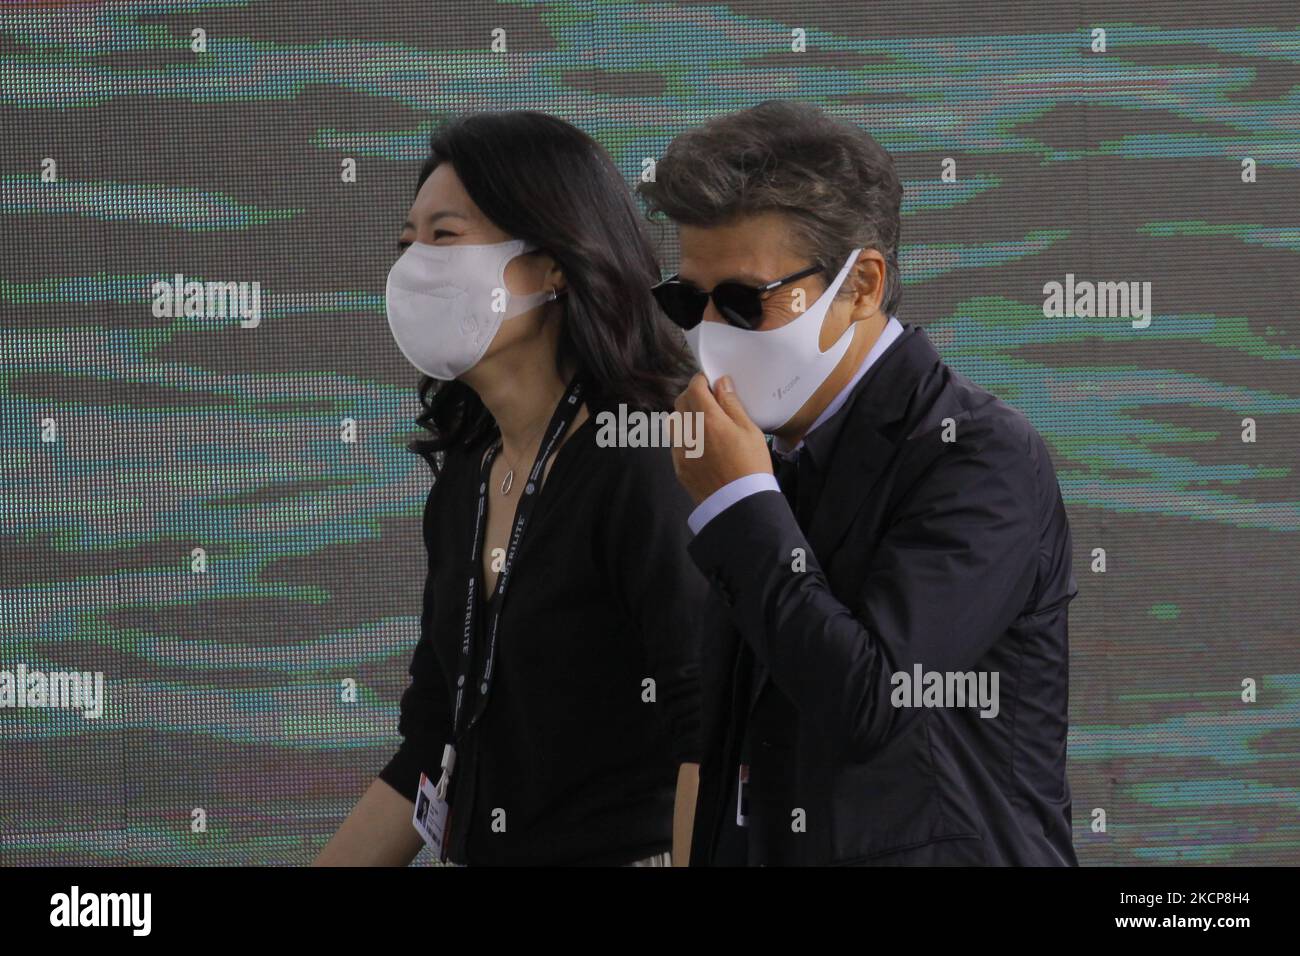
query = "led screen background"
x=224 y=687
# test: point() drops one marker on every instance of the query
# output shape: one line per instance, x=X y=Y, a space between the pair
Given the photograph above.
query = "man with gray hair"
x=904 y=527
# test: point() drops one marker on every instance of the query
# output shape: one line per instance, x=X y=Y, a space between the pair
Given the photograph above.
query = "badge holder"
x=430 y=819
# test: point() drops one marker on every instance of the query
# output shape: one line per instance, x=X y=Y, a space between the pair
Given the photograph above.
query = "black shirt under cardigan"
x=603 y=596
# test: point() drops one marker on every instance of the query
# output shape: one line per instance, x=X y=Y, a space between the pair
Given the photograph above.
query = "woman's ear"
x=554 y=277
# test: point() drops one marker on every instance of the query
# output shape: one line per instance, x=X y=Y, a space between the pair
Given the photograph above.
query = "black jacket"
x=951 y=555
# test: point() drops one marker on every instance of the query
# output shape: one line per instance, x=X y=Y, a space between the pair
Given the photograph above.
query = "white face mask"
x=776 y=371
x=440 y=302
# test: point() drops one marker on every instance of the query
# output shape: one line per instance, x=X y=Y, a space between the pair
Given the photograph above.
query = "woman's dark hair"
x=540 y=179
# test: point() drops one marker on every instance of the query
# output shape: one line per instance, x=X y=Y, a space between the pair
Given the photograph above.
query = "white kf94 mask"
x=775 y=371
x=446 y=303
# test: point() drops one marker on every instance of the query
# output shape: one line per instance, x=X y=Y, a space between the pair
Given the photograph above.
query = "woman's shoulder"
x=643 y=506
x=464 y=457
x=453 y=467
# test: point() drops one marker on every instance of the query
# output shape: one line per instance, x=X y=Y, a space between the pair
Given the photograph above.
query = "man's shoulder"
x=959 y=412
x=991 y=419
x=1001 y=427
x=917 y=393
x=952 y=424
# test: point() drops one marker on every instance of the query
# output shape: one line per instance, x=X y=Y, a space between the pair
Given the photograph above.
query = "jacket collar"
x=865 y=438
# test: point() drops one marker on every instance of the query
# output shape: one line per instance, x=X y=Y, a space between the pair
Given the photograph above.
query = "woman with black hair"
x=553 y=708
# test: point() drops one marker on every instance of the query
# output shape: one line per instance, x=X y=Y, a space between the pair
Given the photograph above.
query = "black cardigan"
x=603 y=597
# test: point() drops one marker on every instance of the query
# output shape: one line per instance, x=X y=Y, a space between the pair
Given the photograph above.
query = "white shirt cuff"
x=728 y=495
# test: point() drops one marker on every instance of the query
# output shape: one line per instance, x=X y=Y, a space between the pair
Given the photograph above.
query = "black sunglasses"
x=739 y=304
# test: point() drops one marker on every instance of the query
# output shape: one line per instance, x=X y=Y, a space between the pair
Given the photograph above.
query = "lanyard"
x=461 y=723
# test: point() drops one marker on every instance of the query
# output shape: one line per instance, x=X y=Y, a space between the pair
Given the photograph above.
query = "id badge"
x=742 y=796
x=430 y=818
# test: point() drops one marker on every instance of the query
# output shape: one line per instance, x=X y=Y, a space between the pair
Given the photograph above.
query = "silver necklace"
x=508 y=481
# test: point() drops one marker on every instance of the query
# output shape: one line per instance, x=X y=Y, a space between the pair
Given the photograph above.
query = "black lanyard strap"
x=561 y=419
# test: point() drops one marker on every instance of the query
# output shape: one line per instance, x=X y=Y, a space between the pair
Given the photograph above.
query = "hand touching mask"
x=774 y=371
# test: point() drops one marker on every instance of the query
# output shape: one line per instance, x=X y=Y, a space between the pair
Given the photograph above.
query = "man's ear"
x=867 y=280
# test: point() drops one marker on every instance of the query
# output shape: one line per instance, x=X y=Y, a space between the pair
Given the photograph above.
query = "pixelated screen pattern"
x=176 y=433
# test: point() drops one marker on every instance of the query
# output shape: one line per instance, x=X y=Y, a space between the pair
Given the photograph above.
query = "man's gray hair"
x=837 y=185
